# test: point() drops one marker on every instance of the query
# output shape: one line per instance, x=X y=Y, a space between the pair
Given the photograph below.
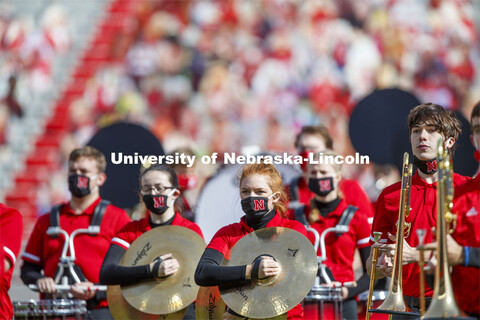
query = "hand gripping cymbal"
x=272 y=296
x=172 y=293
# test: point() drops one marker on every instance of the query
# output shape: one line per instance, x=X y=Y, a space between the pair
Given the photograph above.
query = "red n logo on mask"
x=158 y=202
x=431 y=165
x=325 y=185
x=82 y=182
x=258 y=205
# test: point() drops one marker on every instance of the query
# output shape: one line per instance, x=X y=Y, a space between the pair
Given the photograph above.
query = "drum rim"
x=49 y=307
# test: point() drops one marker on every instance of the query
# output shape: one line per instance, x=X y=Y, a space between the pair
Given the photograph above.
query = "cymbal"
x=273 y=296
x=210 y=305
x=122 y=310
x=172 y=293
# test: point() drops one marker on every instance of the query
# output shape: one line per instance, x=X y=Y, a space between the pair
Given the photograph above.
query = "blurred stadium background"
x=219 y=76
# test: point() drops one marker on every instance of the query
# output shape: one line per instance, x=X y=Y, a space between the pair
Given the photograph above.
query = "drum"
x=377 y=299
x=323 y=303
x=50 y=309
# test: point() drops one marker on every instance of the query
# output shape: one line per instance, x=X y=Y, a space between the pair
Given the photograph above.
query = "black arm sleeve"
x=209 y=272
x=112 y=273
x=473 y=257
x=30 y=272
x=364 y=282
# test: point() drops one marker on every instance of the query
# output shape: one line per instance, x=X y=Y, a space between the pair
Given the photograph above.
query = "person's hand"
x=384 y=266
x=268 y=268
x=81 y=293
x=454 y=252
x=46 y=285
x=168 y=266
x=410 y=255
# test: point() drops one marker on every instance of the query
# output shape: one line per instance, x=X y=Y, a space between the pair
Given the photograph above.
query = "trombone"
x=443 y=303
x=394 y=302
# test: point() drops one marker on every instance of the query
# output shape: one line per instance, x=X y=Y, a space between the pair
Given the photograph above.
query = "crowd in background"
x=29 y=45
x=224 y=75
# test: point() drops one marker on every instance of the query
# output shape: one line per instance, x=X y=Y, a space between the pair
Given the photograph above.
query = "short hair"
x=187 y=151
x=316 y=130
x=326 y=156
x=434 y=114
x=90 y=152
x=274 y=181
x=475 y=112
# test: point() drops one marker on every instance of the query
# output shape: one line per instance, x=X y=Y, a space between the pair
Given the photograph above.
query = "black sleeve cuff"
x=112 y=273
x=209 y=272
x=30 y=272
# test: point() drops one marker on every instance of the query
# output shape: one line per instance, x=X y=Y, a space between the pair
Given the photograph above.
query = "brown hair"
x=434 y=114
x=185 y=151
x=315 y=130
x=475 y=112
x=274 y=181
x=326 y=157
x=89 y=152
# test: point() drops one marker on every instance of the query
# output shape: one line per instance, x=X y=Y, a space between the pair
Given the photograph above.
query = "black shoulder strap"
x=294 y=195
x=55 y=219
x=98 y=215
x=94 y=224
x=346 y=217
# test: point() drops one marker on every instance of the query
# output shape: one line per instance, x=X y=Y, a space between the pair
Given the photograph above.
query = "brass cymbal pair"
x=259 y=299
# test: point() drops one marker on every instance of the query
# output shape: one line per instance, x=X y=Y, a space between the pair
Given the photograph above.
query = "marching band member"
x=262 y=200
x=11 y=228
x=327 y=210
x=313 y=139
x=463 y=246
x=159 y=190
x=86 y=168
x=428 y=123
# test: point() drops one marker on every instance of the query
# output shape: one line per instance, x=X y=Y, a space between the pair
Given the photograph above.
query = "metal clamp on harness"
x=67 y=271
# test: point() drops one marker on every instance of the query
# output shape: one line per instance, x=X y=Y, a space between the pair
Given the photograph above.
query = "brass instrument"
x=377 y=235
x=394 y=302
x=421 y=263
x=443 y=303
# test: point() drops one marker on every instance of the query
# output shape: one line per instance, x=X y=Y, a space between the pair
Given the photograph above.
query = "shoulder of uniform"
x=391 y=192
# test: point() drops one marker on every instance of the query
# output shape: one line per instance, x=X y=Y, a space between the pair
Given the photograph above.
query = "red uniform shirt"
x=466 y=205
x=227 y=237
x=89 y=250
x=11 y=228
x=341 y=249
x=352 y=193
x=423 y=215
x=130 y=232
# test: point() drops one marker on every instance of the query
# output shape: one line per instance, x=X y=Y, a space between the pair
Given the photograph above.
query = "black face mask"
x=255 y=207
x=156 y=203
x=79 y=185
x=321 y=186
x=427 y=167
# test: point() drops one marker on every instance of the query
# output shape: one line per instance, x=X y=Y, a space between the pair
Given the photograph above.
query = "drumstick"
x=67 y=287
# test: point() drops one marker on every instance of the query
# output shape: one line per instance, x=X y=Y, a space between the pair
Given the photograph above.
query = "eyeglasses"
x=157 y=188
